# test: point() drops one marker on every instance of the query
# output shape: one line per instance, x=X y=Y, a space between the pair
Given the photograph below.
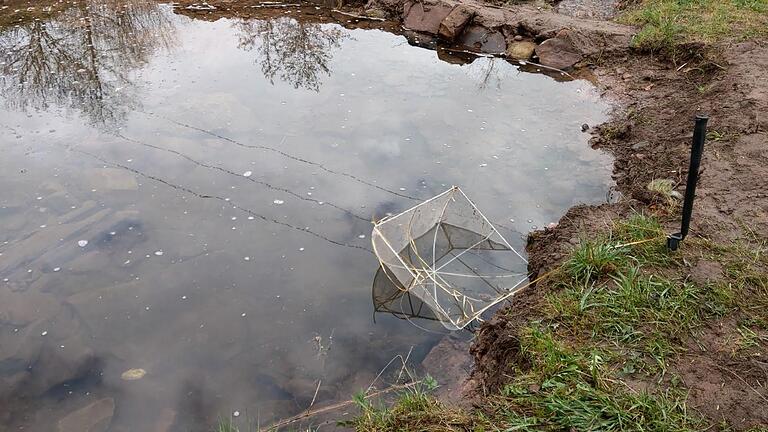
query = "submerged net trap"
x=443 y=260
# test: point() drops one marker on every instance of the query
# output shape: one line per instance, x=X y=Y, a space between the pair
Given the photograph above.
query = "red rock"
x=483 y=40
x=558 y=52
x=425 y=16
x=454 y=23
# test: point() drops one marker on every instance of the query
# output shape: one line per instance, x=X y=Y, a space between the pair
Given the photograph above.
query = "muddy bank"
x=649 y=136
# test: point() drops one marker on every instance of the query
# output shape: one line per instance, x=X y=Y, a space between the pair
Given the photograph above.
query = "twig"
x=363 y=17
x=742 y=380
x=315 y=396
x=311 y=413
x=386 y=367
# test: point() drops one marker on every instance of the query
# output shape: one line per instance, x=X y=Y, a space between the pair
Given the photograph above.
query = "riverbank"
x=622 y=334
x=628 y=337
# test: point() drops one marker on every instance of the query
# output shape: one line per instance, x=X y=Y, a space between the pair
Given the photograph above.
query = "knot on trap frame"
x=444 y=260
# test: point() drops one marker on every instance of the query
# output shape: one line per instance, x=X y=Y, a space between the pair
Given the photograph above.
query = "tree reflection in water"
x=293 y=51
x=82 y=59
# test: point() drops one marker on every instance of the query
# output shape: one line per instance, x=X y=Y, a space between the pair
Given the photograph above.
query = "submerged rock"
x=133 y=374
x=483 y=40
x=95 y=417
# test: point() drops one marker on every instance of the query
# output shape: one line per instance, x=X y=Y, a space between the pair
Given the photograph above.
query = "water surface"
x=194 y=199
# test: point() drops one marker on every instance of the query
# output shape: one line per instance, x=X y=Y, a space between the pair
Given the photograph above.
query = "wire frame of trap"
x=444 y=260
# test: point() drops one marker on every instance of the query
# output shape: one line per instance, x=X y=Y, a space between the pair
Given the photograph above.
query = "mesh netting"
x=443 y=260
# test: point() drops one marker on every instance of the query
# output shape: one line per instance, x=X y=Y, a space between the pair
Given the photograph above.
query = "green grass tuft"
x=594 y=259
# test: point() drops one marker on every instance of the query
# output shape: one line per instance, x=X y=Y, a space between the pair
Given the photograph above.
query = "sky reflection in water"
x=132 y=128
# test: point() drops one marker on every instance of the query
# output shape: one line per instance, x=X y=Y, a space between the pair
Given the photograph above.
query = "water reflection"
x=293 y=51
x=229 y=289
x=82 y=59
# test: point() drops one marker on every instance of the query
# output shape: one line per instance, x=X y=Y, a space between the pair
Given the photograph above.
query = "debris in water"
x=44 y=333
x=133 y=374
x=82 y=243
x=159 y=252
x=57 y=269
x=247 y=174
x=278 y=201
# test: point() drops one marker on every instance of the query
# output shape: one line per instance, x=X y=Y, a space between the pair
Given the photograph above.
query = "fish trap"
x=443 y=260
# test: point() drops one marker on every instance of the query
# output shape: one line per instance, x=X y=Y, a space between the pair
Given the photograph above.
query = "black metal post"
x=697 y=149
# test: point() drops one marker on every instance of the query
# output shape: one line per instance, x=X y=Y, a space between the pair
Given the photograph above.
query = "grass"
x=617 y=313
x=667 y=23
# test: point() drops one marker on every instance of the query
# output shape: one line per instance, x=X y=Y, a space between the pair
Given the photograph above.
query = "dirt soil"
x=649 y=135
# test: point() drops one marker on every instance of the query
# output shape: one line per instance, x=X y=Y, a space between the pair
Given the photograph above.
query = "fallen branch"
x=334 y=407
x=362 y=17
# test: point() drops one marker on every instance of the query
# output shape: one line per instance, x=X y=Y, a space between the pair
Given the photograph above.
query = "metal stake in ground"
x=697 y=149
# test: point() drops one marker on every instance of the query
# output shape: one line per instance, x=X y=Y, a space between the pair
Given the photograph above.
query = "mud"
x=649 y=136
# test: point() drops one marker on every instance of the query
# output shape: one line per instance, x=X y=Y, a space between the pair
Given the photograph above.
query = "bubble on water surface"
x=159 y=253
x=82 y=243
x=278 y=201
x=57 y=269
x=247 y=174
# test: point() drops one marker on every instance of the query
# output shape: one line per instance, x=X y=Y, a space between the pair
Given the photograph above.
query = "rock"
x=112 y=179
x=521 y=50
x=518 y=38
x=584 y=127
x=425 y=16
x=95 y=417
x=133 y=374
x=449 y=363
x=376 y=13
x=558 y=53
x=640 y=144
x=483 y=40
x=165 y=421
x=454 y=23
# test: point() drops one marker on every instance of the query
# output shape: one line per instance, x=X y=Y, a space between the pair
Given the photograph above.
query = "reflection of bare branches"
x=295 y=52
x=82 y=58
x=488 y=71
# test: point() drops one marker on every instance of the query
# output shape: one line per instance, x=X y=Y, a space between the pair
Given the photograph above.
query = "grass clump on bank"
x=598 y=352
x=666 y=23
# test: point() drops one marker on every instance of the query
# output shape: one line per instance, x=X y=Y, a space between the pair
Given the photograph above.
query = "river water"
x=193 y=198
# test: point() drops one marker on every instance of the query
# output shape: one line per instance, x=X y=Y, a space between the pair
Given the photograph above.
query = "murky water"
x=194 y=199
